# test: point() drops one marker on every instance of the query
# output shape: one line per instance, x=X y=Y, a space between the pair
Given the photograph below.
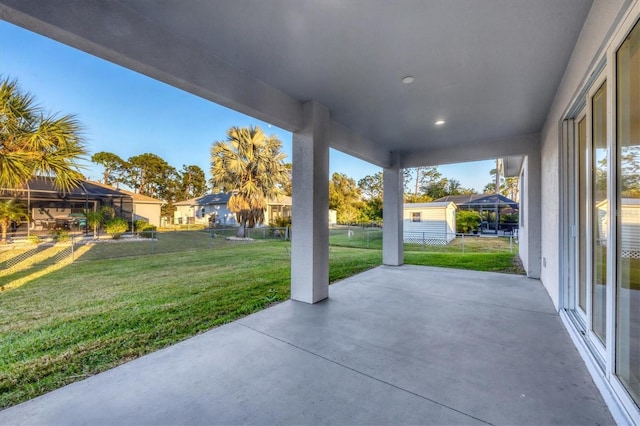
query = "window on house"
x=415 y=217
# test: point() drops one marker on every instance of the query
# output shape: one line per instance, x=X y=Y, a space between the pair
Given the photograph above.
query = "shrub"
x=148 y=231
x=33 y=239
x=141 y=225
x=60 y=235
x=467 y=220
x=116 y=227
x=281 y=222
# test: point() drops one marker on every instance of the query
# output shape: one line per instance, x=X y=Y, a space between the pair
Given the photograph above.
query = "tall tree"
x=34 y=142
x=148 y=174
x=371 y=189
x=251 y=166
x=370 y=186
x=344 y=198
x=114 y=167
x=193 y=182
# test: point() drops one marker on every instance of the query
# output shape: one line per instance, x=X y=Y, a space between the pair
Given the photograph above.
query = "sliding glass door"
x=628 y=217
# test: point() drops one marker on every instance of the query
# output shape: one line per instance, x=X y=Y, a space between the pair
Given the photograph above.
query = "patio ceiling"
x=489 y=68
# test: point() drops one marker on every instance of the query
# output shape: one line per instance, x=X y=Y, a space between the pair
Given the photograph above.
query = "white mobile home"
x=429 y=223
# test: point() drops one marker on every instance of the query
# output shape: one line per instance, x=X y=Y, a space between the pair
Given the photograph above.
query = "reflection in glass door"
x=582 y=215
x=628 y=218
x=599 y=212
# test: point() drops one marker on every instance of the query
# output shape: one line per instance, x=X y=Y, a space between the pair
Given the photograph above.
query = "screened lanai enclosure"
x=48 y=208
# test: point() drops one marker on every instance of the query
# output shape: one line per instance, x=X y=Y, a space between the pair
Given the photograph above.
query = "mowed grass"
x=117 y=302
x=93 y=315
x=372 y=238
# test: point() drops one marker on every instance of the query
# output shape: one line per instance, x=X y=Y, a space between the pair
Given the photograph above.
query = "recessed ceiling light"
x=408 y=79
x=439 y=122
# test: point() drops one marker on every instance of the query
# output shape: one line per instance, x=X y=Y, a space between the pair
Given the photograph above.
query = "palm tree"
x=94 y=220
x=10 y=210
x=251 y=166
x=97 y=218
x=33 y=142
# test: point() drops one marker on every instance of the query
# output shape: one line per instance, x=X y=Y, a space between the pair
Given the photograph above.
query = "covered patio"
x=393 y=345
x=544 y=84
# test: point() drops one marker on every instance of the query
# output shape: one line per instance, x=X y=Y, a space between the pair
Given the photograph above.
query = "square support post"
x=310 y=238
x=392 y=249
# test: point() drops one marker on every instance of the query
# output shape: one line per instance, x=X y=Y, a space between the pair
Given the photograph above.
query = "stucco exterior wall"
x=588 y=51
x=149 y=212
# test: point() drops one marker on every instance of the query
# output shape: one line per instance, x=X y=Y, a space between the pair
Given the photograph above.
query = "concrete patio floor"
x=393 y=345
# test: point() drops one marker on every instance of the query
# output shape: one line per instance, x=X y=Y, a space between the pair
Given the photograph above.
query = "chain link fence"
x=371 y=237
x=26 y=255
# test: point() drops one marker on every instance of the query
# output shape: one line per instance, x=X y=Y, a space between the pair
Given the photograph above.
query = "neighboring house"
x=50 y=208
x=333 y=217
x=277 y=208
x=145 y=208
x=212 y=208
x=629 y=223
x=429 y=223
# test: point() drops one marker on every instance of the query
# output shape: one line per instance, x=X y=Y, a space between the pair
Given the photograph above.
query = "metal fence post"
x=153 y=241
x=72 y=253
x=510 y=243
x=462 y=243
x=423 y=242
x=367 y=237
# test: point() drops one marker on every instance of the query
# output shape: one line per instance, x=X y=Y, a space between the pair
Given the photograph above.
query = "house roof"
x=284 y=200
x=223 y=198
x=140 y=198
x=490 y=69
x=479 y=200
x=460 y=199
x=209 y=199
x=431 y=205
x=44 y=187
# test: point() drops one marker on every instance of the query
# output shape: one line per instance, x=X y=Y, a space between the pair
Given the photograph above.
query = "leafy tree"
x=630 y=171
x=148 y=174
x=371 y=188
x=193 y=182
x=344 y=198
x=421 y=177
x=420 y=198
x=34 y=142
x=114 y=167
x=10 y=211
x=251 y=166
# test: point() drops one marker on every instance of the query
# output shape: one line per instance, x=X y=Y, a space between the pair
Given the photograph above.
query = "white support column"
x=392 y=249
x=534 y=215
x=310 y=239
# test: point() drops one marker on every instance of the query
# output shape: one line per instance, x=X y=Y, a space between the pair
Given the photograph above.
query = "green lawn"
x=117 y=302
x=93 y=315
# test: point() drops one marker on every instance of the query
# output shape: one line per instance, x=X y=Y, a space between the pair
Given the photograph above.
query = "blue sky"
x=129 y=114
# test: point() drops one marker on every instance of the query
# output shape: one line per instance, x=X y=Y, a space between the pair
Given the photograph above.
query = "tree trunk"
x=242 y=228
x=4 y=225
